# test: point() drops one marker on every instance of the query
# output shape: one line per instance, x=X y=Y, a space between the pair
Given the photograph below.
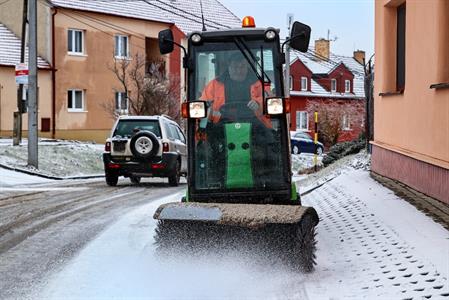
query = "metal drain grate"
x=376 y=261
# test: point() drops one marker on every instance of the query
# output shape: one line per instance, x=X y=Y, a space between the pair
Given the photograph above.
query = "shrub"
x=340 y=150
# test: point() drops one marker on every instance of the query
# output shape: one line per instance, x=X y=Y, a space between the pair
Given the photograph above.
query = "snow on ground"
x=371 y=245
x=11 y=178
x=62 y=158
x=59 y=158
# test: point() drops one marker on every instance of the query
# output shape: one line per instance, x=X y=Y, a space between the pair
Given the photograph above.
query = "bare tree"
x=149 y=92
x=331 y=116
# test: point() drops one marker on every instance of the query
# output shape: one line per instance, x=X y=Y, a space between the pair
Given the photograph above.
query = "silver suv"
x=145 y=146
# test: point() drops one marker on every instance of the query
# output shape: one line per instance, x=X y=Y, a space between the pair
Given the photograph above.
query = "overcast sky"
x=350 y=21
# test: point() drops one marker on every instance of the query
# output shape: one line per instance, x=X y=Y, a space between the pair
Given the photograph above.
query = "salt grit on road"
x=371 y=245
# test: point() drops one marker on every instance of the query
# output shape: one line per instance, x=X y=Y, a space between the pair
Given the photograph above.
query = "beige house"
x=80 y=40
x=411 y=108
x=9 y=58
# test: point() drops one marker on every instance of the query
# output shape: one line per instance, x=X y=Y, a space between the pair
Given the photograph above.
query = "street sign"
x=21 y=73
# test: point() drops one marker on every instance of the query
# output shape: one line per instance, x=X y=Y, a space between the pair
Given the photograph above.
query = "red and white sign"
x=22 y=74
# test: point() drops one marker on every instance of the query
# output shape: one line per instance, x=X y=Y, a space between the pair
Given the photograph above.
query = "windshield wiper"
x=252 y=60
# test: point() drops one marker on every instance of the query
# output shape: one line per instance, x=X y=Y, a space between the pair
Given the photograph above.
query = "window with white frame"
x=333 y=85
x=303 y=83
x=121 y=46
x=347 y=86
x=302 y=120
x=121 y=102
x=345 y=124
x=291 y=83
x=75 y=42
x=75 y=100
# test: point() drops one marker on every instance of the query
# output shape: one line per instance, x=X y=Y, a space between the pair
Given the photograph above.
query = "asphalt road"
x=42 y=226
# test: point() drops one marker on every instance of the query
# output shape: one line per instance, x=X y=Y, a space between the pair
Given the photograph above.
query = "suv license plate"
x=119 y=147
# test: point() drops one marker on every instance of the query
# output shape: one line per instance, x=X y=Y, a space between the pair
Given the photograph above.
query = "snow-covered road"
x=371 y=244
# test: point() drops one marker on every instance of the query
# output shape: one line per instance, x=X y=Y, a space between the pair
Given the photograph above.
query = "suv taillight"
x=165 y=147
x=107 y=147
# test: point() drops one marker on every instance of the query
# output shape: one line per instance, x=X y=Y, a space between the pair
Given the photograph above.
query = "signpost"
x=22 y=73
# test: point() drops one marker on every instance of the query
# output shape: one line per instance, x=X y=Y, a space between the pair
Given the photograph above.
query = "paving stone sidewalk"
x=380 y=246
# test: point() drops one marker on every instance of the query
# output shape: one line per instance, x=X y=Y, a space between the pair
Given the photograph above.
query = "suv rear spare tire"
x=144 y=144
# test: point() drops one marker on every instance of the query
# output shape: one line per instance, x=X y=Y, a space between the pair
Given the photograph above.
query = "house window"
x=400 y=49
x=121 y=101
x=302 y=120
x=75 y=41
x=291 y=83
x=333 y=85
x=121 y=46
x=303 y=83
x=347 y=86
x=345 y=124
x=75 y=100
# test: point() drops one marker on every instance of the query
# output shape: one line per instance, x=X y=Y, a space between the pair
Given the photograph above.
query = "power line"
x=105 y=24
x=4 y=2
x=187 y=12
x=90 y=25
x=178 y=14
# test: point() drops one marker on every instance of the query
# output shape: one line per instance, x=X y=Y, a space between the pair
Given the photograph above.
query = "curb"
x=317 y=186
x=49 y=176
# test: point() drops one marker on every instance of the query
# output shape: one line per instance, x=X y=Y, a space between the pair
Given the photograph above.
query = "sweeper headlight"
x=276 y=106
x=270 y=34
x=194 y=109
x=196 y=38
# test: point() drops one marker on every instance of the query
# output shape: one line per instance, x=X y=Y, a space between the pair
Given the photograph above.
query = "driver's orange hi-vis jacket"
x=215 y=92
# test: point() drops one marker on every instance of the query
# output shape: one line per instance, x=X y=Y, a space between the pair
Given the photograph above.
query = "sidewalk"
x=373 y=244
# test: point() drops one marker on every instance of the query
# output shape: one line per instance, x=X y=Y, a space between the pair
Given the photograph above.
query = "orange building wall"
x=8 y=100
x=415 y=123
x=90 y=72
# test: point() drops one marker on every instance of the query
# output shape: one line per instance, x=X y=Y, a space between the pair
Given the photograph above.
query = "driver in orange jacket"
x=235 y=85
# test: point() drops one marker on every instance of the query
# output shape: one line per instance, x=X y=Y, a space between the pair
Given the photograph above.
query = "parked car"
x=145 y=146
x=302 y=142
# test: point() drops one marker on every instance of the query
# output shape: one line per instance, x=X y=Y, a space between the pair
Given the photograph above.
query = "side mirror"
x=300 y=36
x=166 y=41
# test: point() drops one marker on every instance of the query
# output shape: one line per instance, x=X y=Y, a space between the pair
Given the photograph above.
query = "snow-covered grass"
x=302 y=163
x=64 y=158
x=55 y=157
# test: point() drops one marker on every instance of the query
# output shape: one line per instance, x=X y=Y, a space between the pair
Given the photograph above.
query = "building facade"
x=325 y=82
x=411 y=89
x=10 y=48
x=83 y=40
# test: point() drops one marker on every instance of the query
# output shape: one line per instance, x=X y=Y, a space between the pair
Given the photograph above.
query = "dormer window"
x=303 y=83
x=347 y=86
x=333 y=85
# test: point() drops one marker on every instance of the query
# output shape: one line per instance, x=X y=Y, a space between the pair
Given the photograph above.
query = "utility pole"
x=32 y=87
x=20 y=101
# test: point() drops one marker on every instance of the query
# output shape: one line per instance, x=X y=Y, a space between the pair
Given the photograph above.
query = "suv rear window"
x=126 y=127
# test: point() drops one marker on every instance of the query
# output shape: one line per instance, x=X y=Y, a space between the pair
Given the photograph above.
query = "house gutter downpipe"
x=53 y=75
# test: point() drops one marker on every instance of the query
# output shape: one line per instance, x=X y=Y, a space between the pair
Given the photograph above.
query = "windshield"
x=212 y=61
x=236 y=145
x=126 y=128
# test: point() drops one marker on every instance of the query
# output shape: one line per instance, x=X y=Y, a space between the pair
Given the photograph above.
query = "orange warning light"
x=248 y=21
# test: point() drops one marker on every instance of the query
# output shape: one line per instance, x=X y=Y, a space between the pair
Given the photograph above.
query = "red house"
x=330 y=84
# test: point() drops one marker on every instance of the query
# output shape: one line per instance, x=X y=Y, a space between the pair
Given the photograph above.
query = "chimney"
x=359 y=56
x=322 y=48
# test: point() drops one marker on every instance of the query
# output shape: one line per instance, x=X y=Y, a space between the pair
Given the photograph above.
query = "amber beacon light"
x=248 y=22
